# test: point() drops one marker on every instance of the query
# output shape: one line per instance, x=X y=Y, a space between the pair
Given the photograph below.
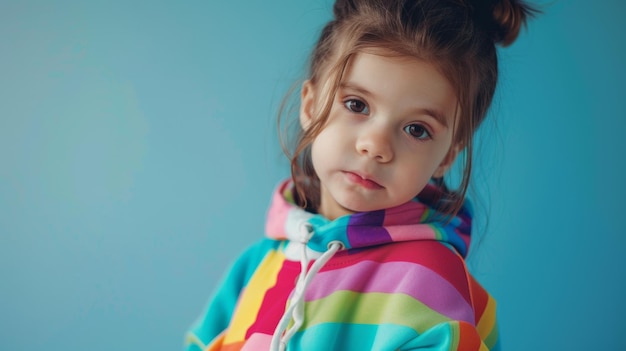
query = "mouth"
x=363 y=181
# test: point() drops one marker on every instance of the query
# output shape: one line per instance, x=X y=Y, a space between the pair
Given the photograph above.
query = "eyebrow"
x=437 y=115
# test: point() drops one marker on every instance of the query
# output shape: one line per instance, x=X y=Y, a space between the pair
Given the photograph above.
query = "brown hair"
x=457 y=36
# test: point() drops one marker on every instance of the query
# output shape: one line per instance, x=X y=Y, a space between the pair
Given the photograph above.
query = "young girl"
x=365 y=244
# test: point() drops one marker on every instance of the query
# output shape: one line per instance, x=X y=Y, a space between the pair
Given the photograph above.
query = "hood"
x=414 y=220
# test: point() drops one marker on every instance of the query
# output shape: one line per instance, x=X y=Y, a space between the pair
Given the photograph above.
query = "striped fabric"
x=400 y=284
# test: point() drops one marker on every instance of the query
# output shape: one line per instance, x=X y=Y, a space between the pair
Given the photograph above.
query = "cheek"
x=416 y=177
x=321 y=151
x=416 y=168
x=438 y=154
x=329 y=140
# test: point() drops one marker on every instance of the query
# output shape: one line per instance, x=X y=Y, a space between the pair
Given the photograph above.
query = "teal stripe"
x=359 y=337
x=337 y=228
x=352 y=337
x=219 y=312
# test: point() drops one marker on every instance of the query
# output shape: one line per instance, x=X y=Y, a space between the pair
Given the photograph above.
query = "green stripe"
x=492 y=339
x=455 y=333
x=439 y=233
x=372 y=308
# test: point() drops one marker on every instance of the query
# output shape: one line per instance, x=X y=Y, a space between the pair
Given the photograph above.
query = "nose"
x=375 y=142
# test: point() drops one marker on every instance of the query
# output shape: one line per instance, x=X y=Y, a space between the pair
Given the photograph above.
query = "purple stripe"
x=412 y=279
x=367 y=230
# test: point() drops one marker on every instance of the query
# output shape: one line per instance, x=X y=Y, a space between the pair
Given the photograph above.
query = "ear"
x=447 y=161
x=307 y=99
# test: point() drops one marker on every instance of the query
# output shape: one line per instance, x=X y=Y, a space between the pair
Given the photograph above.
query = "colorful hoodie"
x=391 y=279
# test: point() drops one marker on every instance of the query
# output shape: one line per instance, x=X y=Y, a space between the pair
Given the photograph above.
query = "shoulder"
x=443 y=269
x=449 y=287
x=248 y=261
x=429 y=255
x=432 y=274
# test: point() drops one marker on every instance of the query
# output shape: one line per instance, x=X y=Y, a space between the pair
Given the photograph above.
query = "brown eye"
x=417 y=131
x=356 y=106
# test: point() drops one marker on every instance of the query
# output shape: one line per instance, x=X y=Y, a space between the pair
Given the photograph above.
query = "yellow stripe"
x=487 y=321
x=249 y=304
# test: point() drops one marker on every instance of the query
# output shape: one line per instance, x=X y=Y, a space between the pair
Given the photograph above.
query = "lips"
x=363 y=181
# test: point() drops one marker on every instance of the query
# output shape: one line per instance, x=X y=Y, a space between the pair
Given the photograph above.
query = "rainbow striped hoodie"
x=392 y=279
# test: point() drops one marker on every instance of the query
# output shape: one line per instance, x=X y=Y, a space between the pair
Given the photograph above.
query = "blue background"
x=138 y=152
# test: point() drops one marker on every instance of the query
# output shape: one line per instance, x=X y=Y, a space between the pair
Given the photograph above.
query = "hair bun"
x=343 y=8
x=508 y=17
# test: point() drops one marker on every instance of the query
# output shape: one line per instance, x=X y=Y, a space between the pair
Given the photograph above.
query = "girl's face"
x=389 y=131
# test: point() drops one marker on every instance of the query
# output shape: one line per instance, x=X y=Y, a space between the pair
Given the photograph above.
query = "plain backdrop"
x=138 y=152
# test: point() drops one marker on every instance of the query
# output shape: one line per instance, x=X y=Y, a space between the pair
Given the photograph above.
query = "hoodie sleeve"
x=451 y=336
x=485 y=315
x=444 y=331
x=210 y=326
x=456 y=335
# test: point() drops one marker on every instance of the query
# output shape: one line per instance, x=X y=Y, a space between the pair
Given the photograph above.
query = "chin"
x=360 y=207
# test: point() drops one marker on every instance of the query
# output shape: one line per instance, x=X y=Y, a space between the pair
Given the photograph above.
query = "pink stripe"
x=277 y=214
x=408 y=213
x=411 y=232
x=257 y=342
x=412 y=279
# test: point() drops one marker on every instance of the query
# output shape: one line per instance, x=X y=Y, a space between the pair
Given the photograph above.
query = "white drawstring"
x=295 y=308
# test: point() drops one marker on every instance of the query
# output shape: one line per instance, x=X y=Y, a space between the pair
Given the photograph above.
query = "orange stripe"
x=232 y=347
x=470 y=341
x=216 y=344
